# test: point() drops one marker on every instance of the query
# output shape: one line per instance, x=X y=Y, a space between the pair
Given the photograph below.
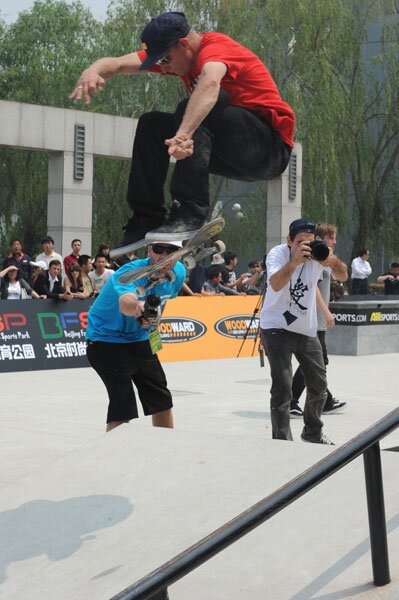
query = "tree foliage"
x=41 y=55
x=335 y=62
x=340 y=73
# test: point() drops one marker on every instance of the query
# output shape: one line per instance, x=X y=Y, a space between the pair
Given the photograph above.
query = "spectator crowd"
x=79 y=275
x=51 y=276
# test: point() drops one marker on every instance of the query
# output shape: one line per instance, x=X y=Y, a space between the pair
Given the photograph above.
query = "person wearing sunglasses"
x=234 y=123
x=122 y=346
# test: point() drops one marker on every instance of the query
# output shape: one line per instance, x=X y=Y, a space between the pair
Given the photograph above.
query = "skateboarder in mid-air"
x=233 y=124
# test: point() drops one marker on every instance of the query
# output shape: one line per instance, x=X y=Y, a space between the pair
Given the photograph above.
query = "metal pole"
x=376 y=512
x=162 y=595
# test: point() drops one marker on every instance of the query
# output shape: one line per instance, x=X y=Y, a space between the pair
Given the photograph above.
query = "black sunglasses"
x=161 y=249
x=165 y=60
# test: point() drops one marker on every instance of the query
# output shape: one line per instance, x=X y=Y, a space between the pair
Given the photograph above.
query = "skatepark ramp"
x=154 y=586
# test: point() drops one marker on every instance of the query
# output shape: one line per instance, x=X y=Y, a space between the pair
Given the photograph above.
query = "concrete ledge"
x=50 y=129
x=364 y=325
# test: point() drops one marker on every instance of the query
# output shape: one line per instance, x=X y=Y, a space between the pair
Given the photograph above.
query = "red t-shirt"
x=247 y=81
x=68 y=260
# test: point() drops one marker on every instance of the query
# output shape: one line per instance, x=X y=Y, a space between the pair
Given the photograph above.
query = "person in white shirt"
x=325 y=320
x=288 y=323
x=13 y=286
x=361 y=270
x=101 y=274
x=48 y=253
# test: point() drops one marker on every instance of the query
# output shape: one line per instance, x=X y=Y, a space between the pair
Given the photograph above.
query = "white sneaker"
x=322 y=440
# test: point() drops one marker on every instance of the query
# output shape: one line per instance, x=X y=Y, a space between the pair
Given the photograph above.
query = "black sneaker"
x=334 y=408
x=296 y=411
x=323 y=439
x=182 y=224
x=135 y=231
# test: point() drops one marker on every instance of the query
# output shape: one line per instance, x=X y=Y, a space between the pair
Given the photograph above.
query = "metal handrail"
x=154 y=585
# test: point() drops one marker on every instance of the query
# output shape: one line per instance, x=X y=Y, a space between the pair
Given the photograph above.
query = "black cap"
x=301 y=226
x=160 y=34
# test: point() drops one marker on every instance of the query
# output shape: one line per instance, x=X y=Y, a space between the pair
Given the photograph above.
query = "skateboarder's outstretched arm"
x=94 y=77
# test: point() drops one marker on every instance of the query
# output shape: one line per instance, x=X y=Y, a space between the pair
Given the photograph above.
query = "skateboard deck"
x=155 y=272
x=115 y=252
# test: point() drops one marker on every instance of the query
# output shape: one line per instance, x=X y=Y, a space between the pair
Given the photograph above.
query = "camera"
x=152 y=310
x=319 y=249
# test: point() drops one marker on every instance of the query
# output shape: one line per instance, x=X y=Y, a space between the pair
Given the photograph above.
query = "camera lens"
x=153 y=301
x=320 y=250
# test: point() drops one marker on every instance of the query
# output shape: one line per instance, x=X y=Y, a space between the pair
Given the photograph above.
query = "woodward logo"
x=236 y=326
x=179 y=329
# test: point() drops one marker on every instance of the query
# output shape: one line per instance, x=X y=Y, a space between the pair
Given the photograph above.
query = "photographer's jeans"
x=280 y=345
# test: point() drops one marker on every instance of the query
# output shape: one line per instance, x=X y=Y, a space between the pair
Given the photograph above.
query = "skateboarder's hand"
x=180 y=146
x=139 y=309
x=139 y=315
x=89 y=83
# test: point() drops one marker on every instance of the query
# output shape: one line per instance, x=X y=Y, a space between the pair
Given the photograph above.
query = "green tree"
x=346 y=103
x=41 y=55
x=345 y=98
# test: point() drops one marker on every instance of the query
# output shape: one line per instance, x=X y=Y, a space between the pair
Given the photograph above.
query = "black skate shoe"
x=182 y=224
x=134 y=234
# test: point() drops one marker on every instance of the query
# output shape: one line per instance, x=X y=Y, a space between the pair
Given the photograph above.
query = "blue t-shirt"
x=105 y=321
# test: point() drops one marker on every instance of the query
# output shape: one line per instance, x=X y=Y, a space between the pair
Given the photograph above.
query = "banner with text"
x=44 y=334
x=388 y=315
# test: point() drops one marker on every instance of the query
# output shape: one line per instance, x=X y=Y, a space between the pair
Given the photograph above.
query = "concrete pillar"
x=69 y=203
x=284 y=200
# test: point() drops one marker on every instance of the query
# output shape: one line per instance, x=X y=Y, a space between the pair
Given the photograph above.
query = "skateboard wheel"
x=170 y=276
x=189 y=262
x=220 y=246
x=140 y=289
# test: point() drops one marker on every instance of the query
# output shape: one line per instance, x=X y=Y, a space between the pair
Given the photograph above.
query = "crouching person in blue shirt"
x=122 y=348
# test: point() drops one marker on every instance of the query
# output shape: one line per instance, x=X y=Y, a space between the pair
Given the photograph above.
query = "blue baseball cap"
x=160 y=34
x=301 y=226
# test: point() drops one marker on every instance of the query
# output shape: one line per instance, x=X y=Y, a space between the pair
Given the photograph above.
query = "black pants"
x=298 y=381
x=280 y=345
x=231 y=141
x=359 y=287
x=119 y=365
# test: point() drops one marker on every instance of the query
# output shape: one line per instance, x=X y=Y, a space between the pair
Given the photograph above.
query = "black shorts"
x=119 y=365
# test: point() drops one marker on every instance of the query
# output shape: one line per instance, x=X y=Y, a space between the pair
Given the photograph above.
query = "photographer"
x=288 y=324
x=122 y=341
x=391 y=280
x=253 y=283
x=325 y=320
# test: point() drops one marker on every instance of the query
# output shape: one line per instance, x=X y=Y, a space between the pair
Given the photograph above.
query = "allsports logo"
x=380 y=317
x=179 y=329
x=236 y=326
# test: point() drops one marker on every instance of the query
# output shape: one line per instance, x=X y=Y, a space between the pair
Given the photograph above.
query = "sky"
x=9 y=9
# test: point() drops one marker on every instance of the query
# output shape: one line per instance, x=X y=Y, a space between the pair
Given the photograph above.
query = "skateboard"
x=114 y=253
x=187 y=255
